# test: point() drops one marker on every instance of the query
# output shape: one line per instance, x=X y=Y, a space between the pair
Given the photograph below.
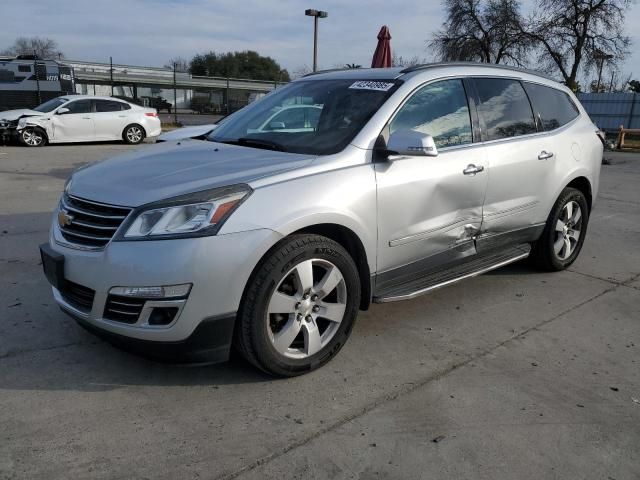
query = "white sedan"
x=84 y=118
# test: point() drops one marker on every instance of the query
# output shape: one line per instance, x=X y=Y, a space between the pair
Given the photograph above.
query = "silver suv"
x=271 y=234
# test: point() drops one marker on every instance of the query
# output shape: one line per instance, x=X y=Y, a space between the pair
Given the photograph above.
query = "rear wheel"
x=300 y=306
x=133 y=134
x=564 y=232
x=33 y=137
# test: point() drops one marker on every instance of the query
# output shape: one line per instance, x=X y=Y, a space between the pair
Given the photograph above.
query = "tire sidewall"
x=570 y=194
x=33 y=130
x=126 y=138
x=326 y=250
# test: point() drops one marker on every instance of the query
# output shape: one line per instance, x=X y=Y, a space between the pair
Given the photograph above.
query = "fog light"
x=167 y=291
x=162 y=315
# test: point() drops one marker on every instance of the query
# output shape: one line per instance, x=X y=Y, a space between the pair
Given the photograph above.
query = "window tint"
x=108 y=106
x=125 y=106
x=79 y=106
x=553 y=107
x=504 y=107
x=439 y=109
x=24 y=68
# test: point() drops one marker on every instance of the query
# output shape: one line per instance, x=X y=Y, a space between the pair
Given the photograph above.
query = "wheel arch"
x=350 y=241
x=583 y=184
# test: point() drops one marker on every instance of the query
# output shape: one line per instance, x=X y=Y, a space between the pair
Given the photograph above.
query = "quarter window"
x=504 y=108
x=553 y=107
x=439 y=109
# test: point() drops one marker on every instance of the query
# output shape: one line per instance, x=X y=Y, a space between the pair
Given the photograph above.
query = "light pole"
x=315 y=14
x=602 y=56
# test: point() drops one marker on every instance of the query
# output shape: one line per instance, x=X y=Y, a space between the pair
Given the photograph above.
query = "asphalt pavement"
x=515 y=374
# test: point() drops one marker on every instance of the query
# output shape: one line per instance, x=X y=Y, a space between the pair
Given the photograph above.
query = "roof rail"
x=328 y=70
x=426 y=66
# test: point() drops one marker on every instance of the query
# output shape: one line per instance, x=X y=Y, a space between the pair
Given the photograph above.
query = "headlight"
x=192 y=215
x=22 y=122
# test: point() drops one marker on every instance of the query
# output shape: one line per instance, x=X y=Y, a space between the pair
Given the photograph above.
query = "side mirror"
x=277 y=125
x=411 y=143
x=62 y=111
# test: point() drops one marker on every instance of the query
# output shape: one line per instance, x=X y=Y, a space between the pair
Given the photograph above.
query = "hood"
x=186 y=132
x=16 y=114
x=170 y=169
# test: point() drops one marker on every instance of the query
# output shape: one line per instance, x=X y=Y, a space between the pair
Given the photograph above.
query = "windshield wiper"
x=256 y=143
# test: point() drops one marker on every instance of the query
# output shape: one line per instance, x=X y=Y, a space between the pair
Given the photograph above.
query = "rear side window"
x=24 y=68
x=553 y=107
x=504 y=108
x=108 y=106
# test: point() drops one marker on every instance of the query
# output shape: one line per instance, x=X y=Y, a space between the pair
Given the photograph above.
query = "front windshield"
x=318 y=117
x=51 y=105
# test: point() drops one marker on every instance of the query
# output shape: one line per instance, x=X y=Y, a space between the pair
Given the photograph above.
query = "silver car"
x=271 y=240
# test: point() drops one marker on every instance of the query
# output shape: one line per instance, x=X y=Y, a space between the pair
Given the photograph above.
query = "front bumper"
x=218 y=267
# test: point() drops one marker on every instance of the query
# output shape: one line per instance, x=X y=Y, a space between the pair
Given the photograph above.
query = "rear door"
x=110 y=118
x=76 y=125
x=429 y=210
x=518 y=161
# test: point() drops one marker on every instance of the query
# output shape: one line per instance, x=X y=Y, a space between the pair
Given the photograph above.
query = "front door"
x=76 y=125
x=429 y=210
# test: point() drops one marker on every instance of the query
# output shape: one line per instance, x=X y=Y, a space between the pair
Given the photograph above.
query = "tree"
x=400 y=61
x=575 y=34
x=247 y=64
x=634 y=85
x=182 y=64
x=487 y=31
x=45 y=48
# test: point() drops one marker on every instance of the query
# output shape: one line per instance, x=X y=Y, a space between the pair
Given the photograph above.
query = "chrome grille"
x=89 y=223
x=123 y=309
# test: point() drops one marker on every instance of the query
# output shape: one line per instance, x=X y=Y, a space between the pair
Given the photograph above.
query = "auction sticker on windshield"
x=366 y=85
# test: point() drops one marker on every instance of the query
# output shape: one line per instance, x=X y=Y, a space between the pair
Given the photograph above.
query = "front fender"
x=345 y=197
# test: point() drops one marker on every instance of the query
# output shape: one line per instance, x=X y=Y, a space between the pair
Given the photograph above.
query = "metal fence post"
x=35 y=70
x=226 y=96
x=175 y=97
x=111 y=73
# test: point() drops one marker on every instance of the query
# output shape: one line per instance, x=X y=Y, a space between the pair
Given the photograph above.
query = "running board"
x=476 y=266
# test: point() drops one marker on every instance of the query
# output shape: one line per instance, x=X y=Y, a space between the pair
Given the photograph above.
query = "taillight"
x=151 y=114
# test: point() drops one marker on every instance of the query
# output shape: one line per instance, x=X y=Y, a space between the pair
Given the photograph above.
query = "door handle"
x=122 y=116
x=86 y=118
x=544 y=155
x=473 y=169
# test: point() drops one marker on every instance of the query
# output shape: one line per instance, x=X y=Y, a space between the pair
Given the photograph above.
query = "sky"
x=150 y=32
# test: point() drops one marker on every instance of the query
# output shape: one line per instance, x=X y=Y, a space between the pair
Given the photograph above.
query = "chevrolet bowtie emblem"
x=64 y=218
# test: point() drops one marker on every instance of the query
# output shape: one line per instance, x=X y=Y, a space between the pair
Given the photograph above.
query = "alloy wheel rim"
x=32 y=138
x=568 y=230
x=134 y=134
x=306 y=308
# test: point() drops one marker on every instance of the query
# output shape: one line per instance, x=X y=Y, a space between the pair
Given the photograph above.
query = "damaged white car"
x=83 y=118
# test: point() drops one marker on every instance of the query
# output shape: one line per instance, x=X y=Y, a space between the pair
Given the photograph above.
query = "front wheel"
x=133 y=134
x=33 y=137
x=563 y=235
x=300 y=306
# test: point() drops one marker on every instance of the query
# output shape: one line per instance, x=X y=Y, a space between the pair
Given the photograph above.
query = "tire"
x=33 y=137
x=287 y=325
x=564 y=233
x=133 y=134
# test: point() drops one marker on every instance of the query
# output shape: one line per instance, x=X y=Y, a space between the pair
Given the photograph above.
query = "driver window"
x=439 y=109
x=79 y=106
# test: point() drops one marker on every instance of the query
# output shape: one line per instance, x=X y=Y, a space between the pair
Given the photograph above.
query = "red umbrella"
x=382 y=55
